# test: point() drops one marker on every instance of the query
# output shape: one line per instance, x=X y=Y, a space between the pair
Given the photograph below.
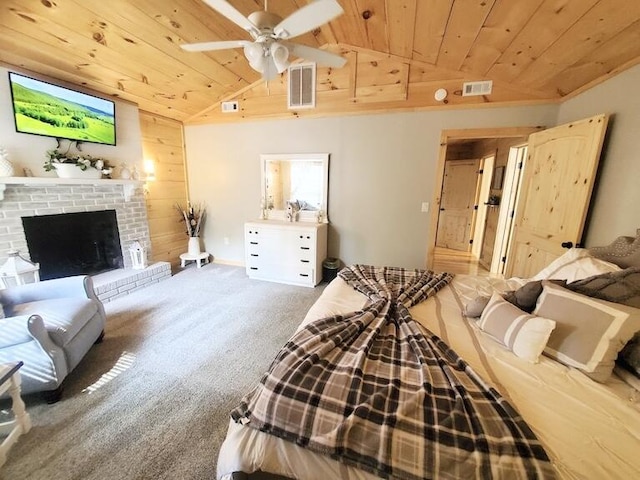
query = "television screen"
x=42 y=108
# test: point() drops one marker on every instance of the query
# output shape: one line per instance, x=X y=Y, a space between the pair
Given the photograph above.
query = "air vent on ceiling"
x=302 y=86
x=476 y=88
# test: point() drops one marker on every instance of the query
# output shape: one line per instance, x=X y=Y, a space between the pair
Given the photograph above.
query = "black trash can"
x=330 y=269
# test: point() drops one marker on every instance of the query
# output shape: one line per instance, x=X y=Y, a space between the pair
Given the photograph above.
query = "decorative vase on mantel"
x=71 y=170
x=6 y=167
x=194 y=246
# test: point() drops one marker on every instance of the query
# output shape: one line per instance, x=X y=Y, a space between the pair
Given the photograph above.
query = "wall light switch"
x=226 y=240
x=425 y=207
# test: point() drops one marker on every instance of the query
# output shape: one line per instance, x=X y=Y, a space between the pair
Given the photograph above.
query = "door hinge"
x=475 y=207
x=471 y=242
x=513 y=212
x=520 y=166
x=481 y=171
x=504 y=259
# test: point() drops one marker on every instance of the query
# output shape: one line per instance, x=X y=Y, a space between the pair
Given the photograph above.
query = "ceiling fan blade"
x=307 y=18
x=206 y=46
x=321 y=57
x=225 y=8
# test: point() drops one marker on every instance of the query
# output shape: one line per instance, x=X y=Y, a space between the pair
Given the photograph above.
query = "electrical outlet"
x=226 y=240
x=425 y=207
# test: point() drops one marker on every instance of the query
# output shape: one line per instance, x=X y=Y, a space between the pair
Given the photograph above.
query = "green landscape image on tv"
x=42 y=108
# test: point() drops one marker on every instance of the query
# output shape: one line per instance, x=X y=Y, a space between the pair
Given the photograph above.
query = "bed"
x=589 y=428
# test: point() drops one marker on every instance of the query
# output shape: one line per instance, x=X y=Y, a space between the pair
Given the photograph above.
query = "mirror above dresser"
x=301 y=179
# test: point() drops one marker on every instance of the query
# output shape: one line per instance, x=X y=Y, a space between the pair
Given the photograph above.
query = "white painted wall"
x=27 y=150
x=615 y=207
x=381 y=168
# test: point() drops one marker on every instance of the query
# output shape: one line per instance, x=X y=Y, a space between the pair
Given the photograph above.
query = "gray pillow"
x=624 y=251
x=617 y=287
x=476 y=306
x=524 y=298
x=629 y=357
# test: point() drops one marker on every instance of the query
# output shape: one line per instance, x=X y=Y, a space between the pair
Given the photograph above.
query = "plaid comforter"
x=375 y=390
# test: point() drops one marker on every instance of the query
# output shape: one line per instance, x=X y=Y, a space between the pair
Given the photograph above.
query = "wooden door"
x=459 y=189
x=557 y=182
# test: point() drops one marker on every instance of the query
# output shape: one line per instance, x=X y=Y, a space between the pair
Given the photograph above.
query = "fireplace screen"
x=83 y=243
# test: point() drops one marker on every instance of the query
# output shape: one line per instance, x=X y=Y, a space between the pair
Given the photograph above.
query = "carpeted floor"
x=152 y=400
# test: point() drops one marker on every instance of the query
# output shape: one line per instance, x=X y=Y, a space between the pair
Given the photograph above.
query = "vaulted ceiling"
x=398 y=52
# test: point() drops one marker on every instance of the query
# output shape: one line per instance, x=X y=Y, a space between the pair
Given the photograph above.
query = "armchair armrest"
x=24 y=328
x=77 y=286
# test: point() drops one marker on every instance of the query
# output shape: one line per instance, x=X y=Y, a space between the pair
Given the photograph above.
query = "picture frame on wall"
x=498 y=178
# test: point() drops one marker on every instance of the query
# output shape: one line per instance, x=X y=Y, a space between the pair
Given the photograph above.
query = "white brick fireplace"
x=33 y=196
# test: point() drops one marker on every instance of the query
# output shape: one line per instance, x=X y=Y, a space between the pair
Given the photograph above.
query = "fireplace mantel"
x=128 y=186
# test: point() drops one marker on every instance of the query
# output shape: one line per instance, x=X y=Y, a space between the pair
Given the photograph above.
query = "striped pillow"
x=589 y=333
x=524 y=334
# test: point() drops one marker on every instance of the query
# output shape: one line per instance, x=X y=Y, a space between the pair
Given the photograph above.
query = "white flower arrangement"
x=80 y=160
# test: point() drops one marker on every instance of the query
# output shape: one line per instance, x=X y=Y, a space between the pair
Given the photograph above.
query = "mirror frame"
x=303 y=215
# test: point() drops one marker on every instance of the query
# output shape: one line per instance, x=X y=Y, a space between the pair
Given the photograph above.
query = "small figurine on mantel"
x=125 y=173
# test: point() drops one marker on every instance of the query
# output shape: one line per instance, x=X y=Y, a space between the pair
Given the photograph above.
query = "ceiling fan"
x=269 y=51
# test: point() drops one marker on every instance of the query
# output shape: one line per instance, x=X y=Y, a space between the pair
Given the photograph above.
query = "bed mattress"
x=589 y=430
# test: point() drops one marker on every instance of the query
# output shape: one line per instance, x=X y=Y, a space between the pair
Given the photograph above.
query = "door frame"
x=446 y=136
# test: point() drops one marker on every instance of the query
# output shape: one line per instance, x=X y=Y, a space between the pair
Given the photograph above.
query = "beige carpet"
x=152 y=401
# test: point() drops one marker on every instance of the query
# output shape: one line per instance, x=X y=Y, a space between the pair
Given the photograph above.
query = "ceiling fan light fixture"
x=256 y=55
x=280 y=55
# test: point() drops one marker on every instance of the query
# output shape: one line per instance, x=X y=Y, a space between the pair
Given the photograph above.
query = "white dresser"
x=285 y=252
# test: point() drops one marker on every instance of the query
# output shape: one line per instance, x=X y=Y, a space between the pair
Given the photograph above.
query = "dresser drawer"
x=285 y=252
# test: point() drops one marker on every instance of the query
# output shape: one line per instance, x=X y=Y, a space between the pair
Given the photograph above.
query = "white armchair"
x=50 y=326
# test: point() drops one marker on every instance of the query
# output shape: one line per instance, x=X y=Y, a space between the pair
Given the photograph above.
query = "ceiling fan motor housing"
x=265 y=21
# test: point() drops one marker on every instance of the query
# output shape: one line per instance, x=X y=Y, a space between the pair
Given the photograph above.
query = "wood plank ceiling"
x=399 y=52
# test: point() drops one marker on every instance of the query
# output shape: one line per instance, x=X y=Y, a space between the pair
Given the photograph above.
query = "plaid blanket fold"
x=375 y=390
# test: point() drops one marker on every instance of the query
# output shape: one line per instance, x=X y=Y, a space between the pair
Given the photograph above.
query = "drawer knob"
x=253 y=243
x=304 y=274
x=304 y=248
x=303 y=261
x=254 y=254
x=253 y=268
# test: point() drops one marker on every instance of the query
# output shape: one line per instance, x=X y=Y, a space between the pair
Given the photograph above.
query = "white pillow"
x=575 y=264
x=589 y=333
x=524 y=334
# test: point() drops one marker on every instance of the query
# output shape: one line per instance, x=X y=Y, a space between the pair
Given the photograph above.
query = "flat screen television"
x=42 y=108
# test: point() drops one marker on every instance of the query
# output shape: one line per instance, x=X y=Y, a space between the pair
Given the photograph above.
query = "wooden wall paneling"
x=113 y=46
x=162 y=143
x=46 y=59
x=609 y=59
x=603 y=22
x=401 y=25
x=375 y=22
x=380 y=79
x=465 y=21
x=547 y=23
x=502 y=25
x=350 y=28
x=589 y=32
x=430 y=23
x=165 y=33
x=193 y=22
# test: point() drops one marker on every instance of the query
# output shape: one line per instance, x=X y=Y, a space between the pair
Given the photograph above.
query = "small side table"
x=10 y=382
x=199 y=258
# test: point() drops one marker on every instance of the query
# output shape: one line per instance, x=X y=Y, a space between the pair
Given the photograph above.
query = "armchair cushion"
x=63 y=317
x=14 y=331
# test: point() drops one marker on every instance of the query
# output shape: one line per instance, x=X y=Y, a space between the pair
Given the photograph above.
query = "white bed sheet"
x=589 y=430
